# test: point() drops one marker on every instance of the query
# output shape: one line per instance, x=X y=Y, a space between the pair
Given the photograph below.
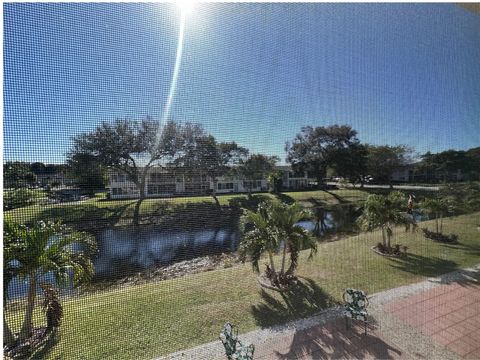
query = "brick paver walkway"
x=331 y=341
x=450 y=314
x=438 y=318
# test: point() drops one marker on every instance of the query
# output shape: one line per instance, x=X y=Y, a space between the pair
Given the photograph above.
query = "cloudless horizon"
x=250 y=73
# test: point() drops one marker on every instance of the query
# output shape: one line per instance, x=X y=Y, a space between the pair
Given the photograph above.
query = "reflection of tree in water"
x=342 y=218
x=319 y=217
x=338 y=218
x=147 y=247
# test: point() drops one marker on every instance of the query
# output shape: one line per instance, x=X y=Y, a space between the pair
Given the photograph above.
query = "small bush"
x=395 y=250
x=18 y=198
x=439 y=237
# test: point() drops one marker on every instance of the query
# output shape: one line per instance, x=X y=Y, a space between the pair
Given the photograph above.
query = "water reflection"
x=124 y=250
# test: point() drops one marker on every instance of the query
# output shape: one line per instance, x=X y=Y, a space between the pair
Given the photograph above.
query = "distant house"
x=52 y=179
x=414 y=174
x=292 y=180
x=167 y=182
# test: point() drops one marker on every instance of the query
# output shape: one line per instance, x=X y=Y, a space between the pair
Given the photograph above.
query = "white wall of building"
x=161 y=183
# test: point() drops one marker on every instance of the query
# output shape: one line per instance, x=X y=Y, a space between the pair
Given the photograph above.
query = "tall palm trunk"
x=383 y=237
x=293 y=259
x=214 y=192
x=26 y=331
x=141 y=187
x=8 y=337
x=283 y=257
x=272 y=266
x=389 y=231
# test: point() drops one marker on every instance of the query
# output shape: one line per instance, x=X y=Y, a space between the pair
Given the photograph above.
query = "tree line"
x=133 y=147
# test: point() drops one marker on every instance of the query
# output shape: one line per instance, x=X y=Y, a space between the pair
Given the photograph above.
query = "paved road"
x=400 y=187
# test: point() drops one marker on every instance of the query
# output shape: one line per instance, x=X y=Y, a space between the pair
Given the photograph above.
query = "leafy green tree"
x=18 y=198
x=383 y=160
x=9 y=272
x=315 y=149
x=275 y=182
x=87 y=172
x=17 y=174
x=46 y=247
x=462 y=198
x=37 y=168
x=132 y=148
x=204 y=154
x=445 y=165
x=384 y=212
x=255 y=167
x=473 y=167
x=273 y=226
x=437 y=208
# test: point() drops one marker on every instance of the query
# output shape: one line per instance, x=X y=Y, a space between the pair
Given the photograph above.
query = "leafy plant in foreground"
x=273 y=228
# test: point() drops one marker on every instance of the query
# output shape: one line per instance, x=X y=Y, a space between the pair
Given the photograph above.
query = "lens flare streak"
x=176 y=71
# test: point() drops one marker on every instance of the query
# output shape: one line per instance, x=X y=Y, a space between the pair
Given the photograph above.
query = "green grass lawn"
x=147 y=321
x=116 y=212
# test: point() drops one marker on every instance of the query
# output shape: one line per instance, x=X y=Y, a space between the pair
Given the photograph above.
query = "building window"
x=225 y=186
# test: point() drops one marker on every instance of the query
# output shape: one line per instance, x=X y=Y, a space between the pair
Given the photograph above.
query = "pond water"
x=124 y=250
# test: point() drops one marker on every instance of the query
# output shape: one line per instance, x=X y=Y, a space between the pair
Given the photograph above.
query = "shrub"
x=396 y=250
x=439 y=237
x=18 y=198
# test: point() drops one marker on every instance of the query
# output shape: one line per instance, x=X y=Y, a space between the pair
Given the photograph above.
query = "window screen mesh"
x=153 y=153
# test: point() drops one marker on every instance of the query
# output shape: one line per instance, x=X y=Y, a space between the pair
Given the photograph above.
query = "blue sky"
x=253 y=73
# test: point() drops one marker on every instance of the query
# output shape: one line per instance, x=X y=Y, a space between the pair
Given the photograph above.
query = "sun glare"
x=186 y=6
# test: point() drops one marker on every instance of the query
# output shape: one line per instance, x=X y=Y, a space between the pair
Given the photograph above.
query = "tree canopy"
x=17 y=174
x=315 y=148
x=130 y=147
x=383 y=160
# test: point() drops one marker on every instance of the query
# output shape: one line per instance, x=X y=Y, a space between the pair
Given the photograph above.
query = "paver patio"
x=450 y=314
x=332 y=341
x=436 y=319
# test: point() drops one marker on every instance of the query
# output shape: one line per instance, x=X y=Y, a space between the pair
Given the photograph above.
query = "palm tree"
x=48 y=247
x=437 y=208
x=384 y=212
x=9 y=272
x=272 y=227
x=319 y=216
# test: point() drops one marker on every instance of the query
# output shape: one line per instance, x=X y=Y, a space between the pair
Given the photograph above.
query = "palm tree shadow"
x=250 y=203
x=340 y=199
x=45 y=348
x=334 y=341
x=285 y=198
x=425 y=266
x=304 y=299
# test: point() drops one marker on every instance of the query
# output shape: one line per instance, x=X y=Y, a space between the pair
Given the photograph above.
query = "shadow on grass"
x=334 y=341
x=192 y=216
x=305 y=299
x=340 y=199
x=83 y=215
x=285 y=198
x=424 y=266
x=45 y=349
x=475 y=250
x=248 y=203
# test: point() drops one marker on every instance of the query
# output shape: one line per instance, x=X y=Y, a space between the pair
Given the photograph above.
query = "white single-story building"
x=167 y=182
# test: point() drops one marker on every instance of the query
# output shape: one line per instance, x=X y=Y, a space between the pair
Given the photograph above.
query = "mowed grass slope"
x=121 y=211
x=147 y=321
